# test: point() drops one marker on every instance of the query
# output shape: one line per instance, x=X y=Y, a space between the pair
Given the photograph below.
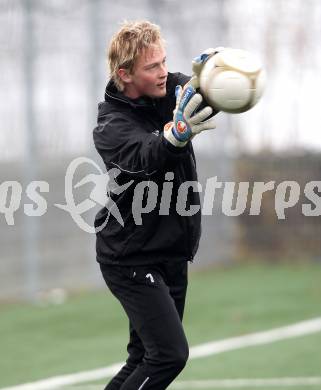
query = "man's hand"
x=185 y=125
x=198 y=63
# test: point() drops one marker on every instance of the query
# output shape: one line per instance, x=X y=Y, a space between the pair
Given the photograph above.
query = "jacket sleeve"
x=181 y=78
x=125 y=145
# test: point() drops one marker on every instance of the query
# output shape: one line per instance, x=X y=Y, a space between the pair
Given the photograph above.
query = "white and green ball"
x=232 y=80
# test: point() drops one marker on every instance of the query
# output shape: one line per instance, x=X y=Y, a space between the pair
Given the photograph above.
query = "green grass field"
x=90 y=330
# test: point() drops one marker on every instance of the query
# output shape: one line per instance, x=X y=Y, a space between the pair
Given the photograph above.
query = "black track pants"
x=153 y=298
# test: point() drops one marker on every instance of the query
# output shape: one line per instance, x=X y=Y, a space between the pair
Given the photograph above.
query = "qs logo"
x=104 y=184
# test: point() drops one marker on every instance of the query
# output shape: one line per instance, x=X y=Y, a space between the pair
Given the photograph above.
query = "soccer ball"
x=232 y=80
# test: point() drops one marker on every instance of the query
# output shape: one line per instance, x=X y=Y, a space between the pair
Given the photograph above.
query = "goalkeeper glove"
x=198 y=63
x=185 y=125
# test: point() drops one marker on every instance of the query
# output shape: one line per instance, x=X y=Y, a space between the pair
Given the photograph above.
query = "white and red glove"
x=185 y=123
x=198 y=63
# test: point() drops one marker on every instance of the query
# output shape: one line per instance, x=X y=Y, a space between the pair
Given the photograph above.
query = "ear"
x=124 y=75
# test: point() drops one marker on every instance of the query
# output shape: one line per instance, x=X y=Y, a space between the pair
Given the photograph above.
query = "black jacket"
x=129 y=137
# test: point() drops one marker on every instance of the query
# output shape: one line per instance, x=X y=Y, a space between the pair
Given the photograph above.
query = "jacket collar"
x=113 y=94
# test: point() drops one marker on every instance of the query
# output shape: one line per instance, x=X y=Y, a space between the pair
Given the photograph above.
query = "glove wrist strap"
x=168 y=134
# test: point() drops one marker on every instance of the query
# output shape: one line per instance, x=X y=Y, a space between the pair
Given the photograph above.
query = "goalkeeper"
x=145 y=127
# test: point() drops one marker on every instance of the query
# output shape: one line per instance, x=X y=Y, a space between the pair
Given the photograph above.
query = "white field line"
x=286 y=332
x=212 y=348
x=229 y=383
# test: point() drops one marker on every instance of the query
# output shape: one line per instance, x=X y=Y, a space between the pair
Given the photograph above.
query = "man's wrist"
x=168 y=134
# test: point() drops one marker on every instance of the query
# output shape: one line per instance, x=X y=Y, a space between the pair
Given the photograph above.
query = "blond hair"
x=127 y=44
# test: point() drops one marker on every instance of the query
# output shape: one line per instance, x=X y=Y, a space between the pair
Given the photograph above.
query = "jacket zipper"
x=185 y=223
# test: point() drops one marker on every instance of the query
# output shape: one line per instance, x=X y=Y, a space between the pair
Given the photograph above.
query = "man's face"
x=149 y=74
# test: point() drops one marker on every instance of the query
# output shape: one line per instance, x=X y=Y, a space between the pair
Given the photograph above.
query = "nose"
x=163 y=71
